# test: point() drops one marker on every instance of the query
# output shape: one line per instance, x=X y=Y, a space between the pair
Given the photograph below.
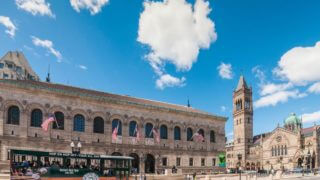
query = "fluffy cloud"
x=94 y=6
x=11 y=28
x=175 y=31
x=166 y=80
x=35 y=7
x=300 y=65
x=83 y=67
x=315 y=88
x=225 y=71
x=229 y=137
x=312 y=117
x=278 y=97
x=47 y=44
x=258 y=73
x=271 y=88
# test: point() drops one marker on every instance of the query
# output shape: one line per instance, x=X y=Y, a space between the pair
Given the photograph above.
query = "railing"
x=118 y=140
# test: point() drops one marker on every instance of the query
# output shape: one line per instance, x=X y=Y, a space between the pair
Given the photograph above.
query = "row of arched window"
x=98 y=125
x=279 y=150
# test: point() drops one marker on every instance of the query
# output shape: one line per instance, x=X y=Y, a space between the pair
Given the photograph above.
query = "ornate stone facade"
x=24 y=103
x=287 y=147
x=14 y=65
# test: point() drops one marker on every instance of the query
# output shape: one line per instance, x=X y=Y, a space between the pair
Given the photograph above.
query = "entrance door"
x=149 y=164
x=135 y=162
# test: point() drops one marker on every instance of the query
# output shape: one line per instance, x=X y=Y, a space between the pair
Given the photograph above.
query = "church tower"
x=242 y=120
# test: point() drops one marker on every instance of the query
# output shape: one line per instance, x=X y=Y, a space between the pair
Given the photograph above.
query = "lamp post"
x=75 y=149
x=239 y=164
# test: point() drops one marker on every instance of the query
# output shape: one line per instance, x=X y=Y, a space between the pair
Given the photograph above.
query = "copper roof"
x=102 y=96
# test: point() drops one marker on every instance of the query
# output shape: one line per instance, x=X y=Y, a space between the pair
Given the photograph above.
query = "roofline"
x=92 y=96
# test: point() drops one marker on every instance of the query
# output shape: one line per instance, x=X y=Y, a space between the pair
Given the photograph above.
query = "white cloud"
x=11 y=28
x=35 y=7
x=315 y=88
x=47 y=44
x=229 y=137
x=300 y=65
x=271 y=88
x=258 y=73
x=94 y=6
x=225 y=70
x=175 y=31
x=278 y=97
x=311 y=117
x=223 y=108
x=166 y=80
x=83 y=67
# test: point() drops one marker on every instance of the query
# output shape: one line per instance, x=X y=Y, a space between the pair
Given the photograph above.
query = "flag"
x=136 y=131
x=115 y=133
x=156 y=135
x=198 y=137
x=45 y=124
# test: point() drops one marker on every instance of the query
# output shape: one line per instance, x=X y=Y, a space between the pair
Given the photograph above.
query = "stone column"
x=125 y=131
x=68 y=127
x=2 y=121
x=107 y=130
x=24 y=119
x=171 y=135
x=142 y=163
x=89 y=130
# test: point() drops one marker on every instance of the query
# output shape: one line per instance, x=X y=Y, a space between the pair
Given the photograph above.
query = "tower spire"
x=188 y=103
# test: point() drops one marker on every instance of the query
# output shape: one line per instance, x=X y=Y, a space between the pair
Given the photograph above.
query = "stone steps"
x=4 y=176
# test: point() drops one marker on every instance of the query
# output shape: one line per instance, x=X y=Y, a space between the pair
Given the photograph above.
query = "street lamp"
x=239 y=164
x=75 y=149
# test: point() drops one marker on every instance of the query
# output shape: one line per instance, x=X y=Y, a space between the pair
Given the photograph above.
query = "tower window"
x=239 y=140
x=214 y=162
x=248 y=120
x=178 y=161
x=190 y=161
x=247 y=104
x=203 y=162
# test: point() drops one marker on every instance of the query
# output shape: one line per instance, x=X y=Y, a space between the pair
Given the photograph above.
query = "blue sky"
x=172 y=50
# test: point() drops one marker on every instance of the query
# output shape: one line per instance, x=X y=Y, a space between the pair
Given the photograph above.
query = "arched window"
x=13 y=115
x=201 y=131
x=163 y=132
x=98 y=125
x=78 y=123
x=177 y=133
x=36 y=118
x=212 y=136
x=189 y=134
x=272 y=152
x=148 y=130
x=285 y=150
x=132 y=129
x=117 y=123
x=60 y=119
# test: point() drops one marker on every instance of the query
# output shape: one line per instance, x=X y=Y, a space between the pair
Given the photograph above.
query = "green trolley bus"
x=27 y=164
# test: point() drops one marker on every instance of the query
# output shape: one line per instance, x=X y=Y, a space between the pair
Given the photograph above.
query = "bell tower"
x=242 y=120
